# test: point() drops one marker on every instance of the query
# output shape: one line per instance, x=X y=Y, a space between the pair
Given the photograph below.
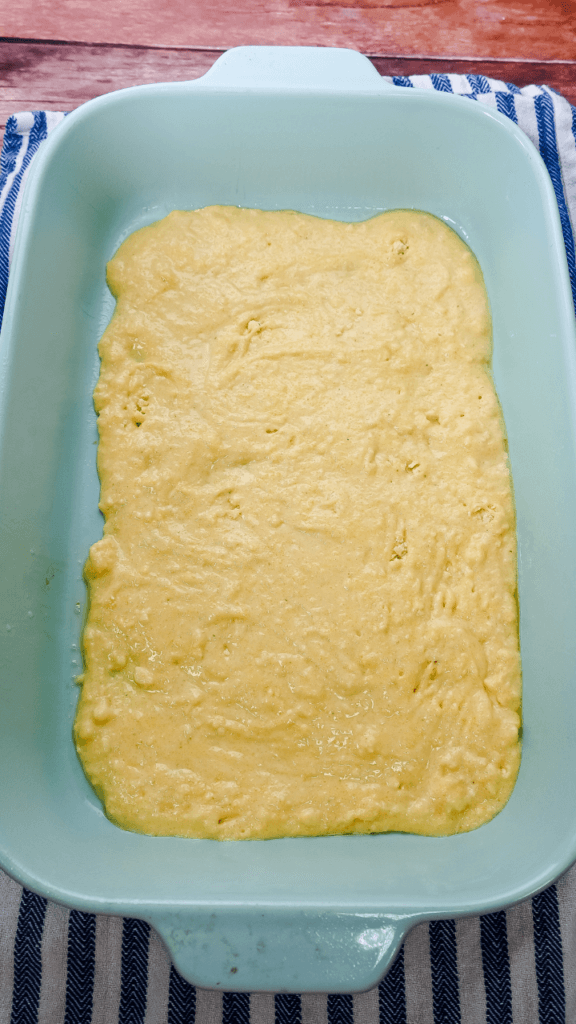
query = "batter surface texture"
x=302 y=612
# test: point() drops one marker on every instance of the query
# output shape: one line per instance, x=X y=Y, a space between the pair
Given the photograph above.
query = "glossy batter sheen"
x=302 y=612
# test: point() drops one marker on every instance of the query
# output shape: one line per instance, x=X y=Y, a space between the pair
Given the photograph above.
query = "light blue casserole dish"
x=316 y=131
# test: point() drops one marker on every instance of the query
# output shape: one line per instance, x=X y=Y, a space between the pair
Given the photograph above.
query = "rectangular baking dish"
x=320 y=132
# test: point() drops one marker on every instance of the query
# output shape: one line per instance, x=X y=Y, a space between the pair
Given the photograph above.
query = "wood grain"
x=559 y=75
x=530 y=29
x=49 y=76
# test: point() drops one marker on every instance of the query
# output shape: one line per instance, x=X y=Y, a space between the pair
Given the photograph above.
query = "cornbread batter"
x=302 y=612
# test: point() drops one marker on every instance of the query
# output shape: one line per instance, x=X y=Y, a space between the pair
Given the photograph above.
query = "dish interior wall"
x=124 y=163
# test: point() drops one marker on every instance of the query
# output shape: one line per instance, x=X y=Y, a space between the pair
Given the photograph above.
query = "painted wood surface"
x=536 y=29
x=56 y=55
x=50 y=76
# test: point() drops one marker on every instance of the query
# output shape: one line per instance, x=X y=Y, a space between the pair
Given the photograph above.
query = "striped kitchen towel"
x=510 y=967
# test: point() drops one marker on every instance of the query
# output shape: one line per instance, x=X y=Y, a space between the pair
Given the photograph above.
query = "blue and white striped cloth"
x=510 y=967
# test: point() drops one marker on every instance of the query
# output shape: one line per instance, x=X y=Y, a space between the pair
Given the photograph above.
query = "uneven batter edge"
x=303 y=614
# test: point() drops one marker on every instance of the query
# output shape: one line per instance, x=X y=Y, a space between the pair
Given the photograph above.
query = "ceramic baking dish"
x=316 y=131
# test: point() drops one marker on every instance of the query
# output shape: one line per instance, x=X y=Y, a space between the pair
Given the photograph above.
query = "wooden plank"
x=559 y=75
x=529 y=29
x=72 y=74
x=49 y=76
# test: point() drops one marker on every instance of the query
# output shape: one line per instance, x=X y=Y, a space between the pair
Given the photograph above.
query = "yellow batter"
x=302 y=613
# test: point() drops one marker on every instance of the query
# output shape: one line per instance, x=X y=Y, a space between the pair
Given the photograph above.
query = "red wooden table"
x=56 y=55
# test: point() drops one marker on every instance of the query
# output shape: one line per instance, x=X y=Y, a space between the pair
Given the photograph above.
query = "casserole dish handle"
x=264 y=950
x=312 y=68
